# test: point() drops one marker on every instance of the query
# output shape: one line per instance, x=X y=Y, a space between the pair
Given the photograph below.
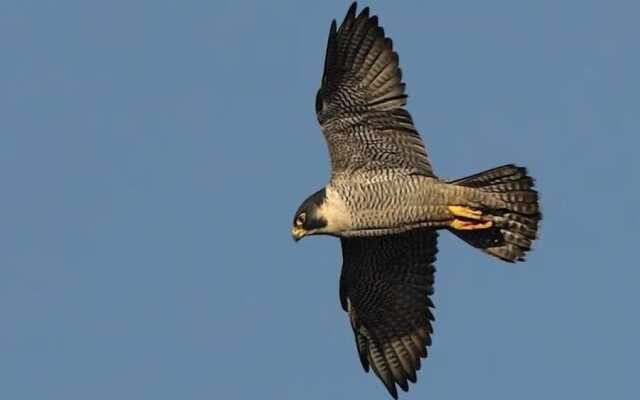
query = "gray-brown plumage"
x=385 y=286
x=385 y=202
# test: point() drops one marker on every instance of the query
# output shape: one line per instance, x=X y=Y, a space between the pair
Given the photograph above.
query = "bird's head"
x=310 y=218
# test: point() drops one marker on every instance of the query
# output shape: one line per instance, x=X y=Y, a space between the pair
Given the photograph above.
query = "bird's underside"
x=408 y=202
x=385 y=203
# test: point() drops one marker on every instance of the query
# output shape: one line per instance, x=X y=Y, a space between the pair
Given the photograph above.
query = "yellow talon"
x=465 y=212
x=468 y=219
x=463 y=225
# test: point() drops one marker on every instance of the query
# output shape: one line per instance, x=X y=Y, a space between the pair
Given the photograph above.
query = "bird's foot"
x=468 y=219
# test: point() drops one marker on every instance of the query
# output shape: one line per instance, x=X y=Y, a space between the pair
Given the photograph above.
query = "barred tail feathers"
x=516 y=220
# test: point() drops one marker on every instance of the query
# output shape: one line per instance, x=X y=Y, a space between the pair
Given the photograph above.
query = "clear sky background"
x=152 y=154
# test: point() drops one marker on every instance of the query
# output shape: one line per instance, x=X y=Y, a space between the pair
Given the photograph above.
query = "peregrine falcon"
x=386 y=204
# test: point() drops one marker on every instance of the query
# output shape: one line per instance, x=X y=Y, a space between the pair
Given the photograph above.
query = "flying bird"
x=386 y=204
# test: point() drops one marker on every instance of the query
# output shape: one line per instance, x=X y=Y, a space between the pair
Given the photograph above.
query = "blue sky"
x=152 y=154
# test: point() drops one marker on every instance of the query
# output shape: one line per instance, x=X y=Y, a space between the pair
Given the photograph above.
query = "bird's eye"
x=300 y=219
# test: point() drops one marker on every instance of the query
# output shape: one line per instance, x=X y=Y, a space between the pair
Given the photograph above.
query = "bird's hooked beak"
x=297 y=233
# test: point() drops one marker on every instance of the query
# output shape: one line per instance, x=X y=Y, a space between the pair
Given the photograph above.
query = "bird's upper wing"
x=385 y=286
x=360 y=102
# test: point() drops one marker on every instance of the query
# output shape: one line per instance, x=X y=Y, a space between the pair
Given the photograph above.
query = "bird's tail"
x=514 y=212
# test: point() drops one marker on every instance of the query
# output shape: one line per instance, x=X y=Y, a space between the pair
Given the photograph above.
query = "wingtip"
x=391 y=388
x=351 y=13
x=365 y=366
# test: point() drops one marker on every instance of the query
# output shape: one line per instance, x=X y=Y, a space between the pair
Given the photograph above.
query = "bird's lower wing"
x=385 y=286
